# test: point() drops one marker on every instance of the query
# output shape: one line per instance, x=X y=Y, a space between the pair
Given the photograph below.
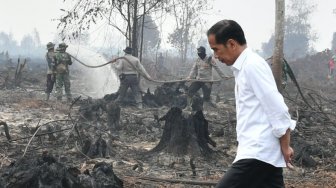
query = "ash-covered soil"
x=54 y=144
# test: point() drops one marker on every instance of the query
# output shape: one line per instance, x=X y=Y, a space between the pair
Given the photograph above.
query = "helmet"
x=50 y=45
x=62 y=45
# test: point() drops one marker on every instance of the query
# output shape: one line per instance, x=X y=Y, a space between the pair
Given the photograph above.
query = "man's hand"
x=287 y=151
x=288 y=154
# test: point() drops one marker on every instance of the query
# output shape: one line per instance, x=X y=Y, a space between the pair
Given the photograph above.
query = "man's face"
x=224 y=53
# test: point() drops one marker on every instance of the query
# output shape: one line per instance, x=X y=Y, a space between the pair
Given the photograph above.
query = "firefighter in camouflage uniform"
x=63 y=60
x=51 y=60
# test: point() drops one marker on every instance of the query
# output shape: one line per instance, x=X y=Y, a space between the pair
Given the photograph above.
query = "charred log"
x=44 y=171
x=39 y=172
x=95 y=149
x=105 y=177
x=150 y=100
x=91 y=109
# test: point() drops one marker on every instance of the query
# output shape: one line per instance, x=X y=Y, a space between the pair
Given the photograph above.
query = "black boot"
x=47 y=97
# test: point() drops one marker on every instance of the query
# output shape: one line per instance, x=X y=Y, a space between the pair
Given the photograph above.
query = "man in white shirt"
x=263 y=122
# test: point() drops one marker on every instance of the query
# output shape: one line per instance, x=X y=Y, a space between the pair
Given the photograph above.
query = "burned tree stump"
x=6 y=130
x=113 y=116
x=149 y=99
x=18 y=72
x=95 y=149
x=91 y=109
x=185 y=135
x=105 y=177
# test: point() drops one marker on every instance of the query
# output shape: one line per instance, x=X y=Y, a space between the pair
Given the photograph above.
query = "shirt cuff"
x=280 y=127
x=293 y=125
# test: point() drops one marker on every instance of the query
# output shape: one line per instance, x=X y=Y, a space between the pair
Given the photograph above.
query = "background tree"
x=7 y=42
x=298 y=32
x=333 y=43
x=83 y=38
x=27 y=44
x=123 y=15
x=36 y=38
x=279 y=40
x=149 y=36
x=187 y=18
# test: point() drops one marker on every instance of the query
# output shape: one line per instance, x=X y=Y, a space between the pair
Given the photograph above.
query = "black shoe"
x=47 y=97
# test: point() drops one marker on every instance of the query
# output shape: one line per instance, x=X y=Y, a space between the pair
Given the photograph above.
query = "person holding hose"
x=202 y=71
x=130 y=69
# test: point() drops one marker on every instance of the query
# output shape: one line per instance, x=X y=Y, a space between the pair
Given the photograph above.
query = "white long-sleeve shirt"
x=262 y=115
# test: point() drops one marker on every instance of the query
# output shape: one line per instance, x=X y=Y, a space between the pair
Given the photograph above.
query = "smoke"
x=97 y=81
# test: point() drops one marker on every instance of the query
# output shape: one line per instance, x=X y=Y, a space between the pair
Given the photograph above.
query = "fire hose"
x=142 y=74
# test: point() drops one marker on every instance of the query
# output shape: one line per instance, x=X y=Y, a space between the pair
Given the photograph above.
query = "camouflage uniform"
x=63 y=60
x=129 y=77
x=51 y=73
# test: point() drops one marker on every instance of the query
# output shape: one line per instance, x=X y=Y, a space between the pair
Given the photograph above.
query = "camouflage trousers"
x=63 y=79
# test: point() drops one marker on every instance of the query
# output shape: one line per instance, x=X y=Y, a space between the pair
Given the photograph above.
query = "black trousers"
x=252 y=173
x=129 y=81
x=206 y=88
x=50 y=83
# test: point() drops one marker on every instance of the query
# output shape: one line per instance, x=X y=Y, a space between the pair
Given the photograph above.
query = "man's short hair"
x=227 y=29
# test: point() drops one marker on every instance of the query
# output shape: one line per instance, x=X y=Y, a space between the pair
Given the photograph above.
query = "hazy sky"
x=256 y=17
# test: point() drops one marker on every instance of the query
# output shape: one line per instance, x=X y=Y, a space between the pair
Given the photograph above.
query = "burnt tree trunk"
x=279 y=42
x=113 y=116
x=185 y=135
x=95 y=149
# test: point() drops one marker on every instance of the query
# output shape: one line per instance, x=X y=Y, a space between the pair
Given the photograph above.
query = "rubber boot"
x=139 y=105
x=189 y=103
x=47 y=97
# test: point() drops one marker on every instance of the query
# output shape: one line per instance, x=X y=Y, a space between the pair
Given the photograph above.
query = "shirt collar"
x=238 y=64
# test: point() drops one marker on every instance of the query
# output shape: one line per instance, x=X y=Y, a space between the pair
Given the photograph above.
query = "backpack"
x=62 y=60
